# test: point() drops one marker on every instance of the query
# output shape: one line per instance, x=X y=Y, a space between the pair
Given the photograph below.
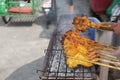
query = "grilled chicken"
x=80 y=50
x=83 y=23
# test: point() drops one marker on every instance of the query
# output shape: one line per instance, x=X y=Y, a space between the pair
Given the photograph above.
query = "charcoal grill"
x=55 y=67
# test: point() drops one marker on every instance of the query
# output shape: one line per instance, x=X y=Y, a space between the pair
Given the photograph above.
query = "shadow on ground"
x=20 y=24
x=28 y=71
x=40 y=23
x=1 y=23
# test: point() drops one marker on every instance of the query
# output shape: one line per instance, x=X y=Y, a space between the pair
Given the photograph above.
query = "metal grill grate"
x=55 y=61
x=56 y=67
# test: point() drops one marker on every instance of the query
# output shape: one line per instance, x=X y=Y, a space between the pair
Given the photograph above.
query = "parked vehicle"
x=18 y=8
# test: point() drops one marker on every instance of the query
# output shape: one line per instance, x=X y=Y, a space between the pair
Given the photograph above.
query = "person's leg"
x=71 y=7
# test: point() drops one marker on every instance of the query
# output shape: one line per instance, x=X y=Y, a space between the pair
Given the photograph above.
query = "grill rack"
x=55 y=67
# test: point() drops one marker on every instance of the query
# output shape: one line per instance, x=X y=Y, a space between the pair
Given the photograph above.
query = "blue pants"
x=70 y=2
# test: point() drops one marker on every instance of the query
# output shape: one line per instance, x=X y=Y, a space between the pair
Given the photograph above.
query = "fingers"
x=112 y=25
x=117 y=52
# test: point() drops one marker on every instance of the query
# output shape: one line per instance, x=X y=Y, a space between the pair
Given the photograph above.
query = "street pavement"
x=22 y=48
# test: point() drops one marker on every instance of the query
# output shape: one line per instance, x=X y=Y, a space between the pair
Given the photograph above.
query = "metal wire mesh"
x=55 y=61
x=56 y=67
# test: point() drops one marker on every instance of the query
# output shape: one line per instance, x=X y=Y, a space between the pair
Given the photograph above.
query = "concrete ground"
x=22 y=45
x=22 y=49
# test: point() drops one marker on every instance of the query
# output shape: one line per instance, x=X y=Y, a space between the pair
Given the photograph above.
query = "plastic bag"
x=109 y=10
x=115 y=12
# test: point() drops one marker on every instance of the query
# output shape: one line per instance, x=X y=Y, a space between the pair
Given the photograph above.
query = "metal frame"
x=55 y=60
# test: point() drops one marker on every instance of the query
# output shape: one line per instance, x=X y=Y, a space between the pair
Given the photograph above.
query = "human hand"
x=115 y=27
x=116 y=52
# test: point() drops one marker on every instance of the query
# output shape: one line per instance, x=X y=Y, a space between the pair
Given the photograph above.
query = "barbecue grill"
x=55 y=67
